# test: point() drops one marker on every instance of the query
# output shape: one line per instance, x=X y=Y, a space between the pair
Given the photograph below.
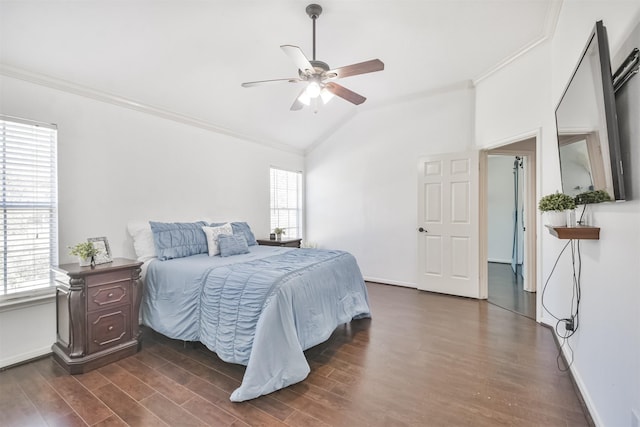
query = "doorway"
x=511 y=213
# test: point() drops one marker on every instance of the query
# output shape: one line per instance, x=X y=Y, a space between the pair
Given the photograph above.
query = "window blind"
x=28 y=205
x=286 y=201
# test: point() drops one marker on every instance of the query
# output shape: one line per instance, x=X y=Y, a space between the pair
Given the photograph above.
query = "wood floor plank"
x=163 y=385
x=15 y=407
x=126 y=382
x=300 y=419
x=69 y=420
x=217 y=378
x=171 y=413
x=92 y=380
x=48 y=402
x=130 y=411
x=209 y=413
x=81 y=400
x=245 y=411
x=112 y=421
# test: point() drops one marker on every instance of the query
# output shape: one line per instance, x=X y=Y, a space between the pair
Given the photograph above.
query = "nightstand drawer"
x=108 y=277
x=108 y=328
x=99 y=297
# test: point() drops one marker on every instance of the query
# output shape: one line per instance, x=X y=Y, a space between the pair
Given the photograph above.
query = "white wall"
x=522 y=97
x=362 y=182
x=117 y=165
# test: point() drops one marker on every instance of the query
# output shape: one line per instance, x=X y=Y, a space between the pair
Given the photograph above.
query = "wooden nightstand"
x=97 y=314
x=291 y=243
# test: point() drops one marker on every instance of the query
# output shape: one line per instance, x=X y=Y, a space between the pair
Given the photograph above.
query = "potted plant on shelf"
x=594 y=196
x=85 y=251
x=587 y=198
x=279 y=232
x=555 y=206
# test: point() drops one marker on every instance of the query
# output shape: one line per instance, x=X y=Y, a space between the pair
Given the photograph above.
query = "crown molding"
x=551 y=21
x=87 y=92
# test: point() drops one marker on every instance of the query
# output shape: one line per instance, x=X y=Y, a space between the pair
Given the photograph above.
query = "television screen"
x=587 y=126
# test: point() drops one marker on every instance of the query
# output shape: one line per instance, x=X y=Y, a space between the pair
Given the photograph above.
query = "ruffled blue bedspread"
x=262 y=311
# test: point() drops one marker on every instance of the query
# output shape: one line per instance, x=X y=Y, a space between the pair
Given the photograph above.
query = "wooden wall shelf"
x=579 y=232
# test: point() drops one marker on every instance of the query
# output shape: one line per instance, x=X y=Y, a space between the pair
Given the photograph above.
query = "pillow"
x=232 y=244
x=213 y=234
x=178 y=239
x=143 y=245
x=240 y=228
x=244 y=229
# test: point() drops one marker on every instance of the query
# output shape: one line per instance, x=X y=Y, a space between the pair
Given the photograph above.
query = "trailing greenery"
x=595 y=196
x=556 y=202
x=84 y=250
x=279 y=231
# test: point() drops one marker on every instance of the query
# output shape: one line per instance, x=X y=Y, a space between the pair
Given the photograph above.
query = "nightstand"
x=97 y=314
x=291 y=243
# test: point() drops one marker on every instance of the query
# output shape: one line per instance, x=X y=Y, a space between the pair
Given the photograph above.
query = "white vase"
x=556 y=218
x=84 y=262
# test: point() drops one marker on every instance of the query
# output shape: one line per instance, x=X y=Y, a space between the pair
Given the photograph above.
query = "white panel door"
x=448 y=241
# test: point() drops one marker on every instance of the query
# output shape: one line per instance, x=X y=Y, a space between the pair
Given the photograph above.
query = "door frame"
x=532 y=174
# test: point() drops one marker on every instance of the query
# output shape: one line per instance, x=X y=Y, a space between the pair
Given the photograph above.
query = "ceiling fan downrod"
x=314 y=11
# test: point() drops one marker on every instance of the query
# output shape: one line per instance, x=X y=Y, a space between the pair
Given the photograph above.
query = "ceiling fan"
x=317 y=75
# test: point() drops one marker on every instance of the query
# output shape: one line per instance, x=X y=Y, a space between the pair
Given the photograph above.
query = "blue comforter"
x=262 y=309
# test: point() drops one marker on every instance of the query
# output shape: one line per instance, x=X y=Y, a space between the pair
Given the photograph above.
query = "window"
x=286 y=202
x=28 y=205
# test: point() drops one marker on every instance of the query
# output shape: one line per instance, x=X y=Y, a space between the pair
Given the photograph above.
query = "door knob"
x=422 y=230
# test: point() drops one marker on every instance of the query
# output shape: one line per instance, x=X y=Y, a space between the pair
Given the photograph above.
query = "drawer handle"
x=110 y=328
x=110 y=294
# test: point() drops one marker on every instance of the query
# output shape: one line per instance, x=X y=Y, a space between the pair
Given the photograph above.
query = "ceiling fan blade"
x=298 y=58
x=359 y=68
x=345 y=93
x=262 y=82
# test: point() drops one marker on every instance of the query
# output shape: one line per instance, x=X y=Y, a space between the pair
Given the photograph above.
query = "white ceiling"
x=187 y=59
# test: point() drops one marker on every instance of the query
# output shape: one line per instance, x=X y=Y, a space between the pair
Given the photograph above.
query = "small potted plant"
x=85 y=251
x=554 y=207
x=279 y=232
x=594 y=196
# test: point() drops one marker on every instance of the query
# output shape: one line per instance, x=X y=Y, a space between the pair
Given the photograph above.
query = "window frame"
x=45 y=286
x=300 y=203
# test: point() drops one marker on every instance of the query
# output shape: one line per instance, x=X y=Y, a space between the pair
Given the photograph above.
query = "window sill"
x=30 y=299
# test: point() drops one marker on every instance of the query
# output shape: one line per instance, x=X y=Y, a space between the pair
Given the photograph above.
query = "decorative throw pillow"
x=243 y=228
x=213 y=233
x=178 y=239
x=232 y=244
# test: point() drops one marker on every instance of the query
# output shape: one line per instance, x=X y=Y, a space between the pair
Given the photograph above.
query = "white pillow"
x=212 y=236
x=140 y=232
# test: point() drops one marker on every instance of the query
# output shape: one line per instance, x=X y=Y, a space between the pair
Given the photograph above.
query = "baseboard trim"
x=578 y=386
x=21 y=359
x=390 y=282
x=499 y=260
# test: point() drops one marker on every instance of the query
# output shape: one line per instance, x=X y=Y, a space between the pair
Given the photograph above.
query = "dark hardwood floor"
x=505 y=290
x=424 y=359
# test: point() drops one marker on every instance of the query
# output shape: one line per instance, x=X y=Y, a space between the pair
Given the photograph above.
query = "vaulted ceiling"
x=185 y=60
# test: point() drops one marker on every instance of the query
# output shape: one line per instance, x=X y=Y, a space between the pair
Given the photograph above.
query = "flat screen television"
x=587 y=125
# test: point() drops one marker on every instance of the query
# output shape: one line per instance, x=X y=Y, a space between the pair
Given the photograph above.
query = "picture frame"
x=102 y=244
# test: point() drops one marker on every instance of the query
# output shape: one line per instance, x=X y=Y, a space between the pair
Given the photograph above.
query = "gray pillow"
x=232 y=244
x=178 y=239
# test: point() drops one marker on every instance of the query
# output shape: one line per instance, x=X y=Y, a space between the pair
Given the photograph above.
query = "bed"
x=261 y=308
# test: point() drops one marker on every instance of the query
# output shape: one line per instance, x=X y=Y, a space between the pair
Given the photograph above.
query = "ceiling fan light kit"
x=318 y=76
